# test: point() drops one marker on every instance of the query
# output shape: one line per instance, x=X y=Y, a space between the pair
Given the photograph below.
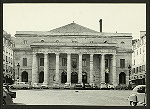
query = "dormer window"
x=25 y=41
x=42 y=40
x=105 y=41
x=91 y=41
x=122 y=42
x=57 y=40
x=74 y=42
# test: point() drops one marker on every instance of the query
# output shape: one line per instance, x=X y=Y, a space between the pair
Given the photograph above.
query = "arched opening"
x=74 y=77
x=122 y=78
x=106 y=77
x=84 y=77
x=24 y=76
x=63 y=77
x=41 y=77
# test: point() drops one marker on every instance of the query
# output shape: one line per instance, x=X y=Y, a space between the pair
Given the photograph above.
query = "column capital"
x=68 y=53
x=91 y=54
x=80 y=54
x=45 y=53
x=57 y=53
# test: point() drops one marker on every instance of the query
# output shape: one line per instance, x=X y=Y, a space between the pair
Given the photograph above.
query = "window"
x=136 y=69
x=106 y=63
x=105 y=41
x=133 y=70
x=25 y=41
x=137 y=52
x=84 y=62
x=41 y=61
x=42 y=40
x=143 y=67
x=122 y=63
x=134 y=62
x=140 y=50
x=6 y=59
x=140 y=69
x=24 y=61
x=122 y=42
x=64 y=61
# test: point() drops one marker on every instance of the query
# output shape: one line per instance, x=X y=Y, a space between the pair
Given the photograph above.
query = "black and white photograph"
x=74 y=54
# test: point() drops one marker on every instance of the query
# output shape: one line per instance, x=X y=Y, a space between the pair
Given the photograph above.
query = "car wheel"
x=12 y=87
x=133 y=103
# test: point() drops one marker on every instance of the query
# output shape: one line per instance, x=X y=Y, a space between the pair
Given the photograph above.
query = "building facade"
x=8 y=44
x=73 y=54
x=139 y=60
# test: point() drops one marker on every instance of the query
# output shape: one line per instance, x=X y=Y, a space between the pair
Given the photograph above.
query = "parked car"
x=138 y=95
x=8 y=96
x=78 y=86
x=87 y=86
x=67 y=86
x=44 y=86
x=56 y=86
x=21 y=85
x=110 y=86
x=95 y=87
x=36 y=86
x=103 y=85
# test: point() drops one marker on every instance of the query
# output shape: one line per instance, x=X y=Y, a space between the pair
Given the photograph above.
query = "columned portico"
x=80 y=69
x=91 y=69
x=102 y=63
x=114 y=69
x=57 y=67
x=69 y=68
x=46 y=69
x=34 y=69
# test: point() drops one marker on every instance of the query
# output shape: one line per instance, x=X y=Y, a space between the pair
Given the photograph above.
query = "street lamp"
x=129 y=67
x=18 y=66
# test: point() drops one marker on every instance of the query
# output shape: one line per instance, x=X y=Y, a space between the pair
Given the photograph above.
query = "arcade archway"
x=24 y=76
x=122 y=78
x=41 y=77
x=63 y=77
x=74 y=77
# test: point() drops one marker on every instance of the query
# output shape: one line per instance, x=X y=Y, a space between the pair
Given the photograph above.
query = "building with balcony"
x=8 y=44
x=73 y=54
x=139 y=60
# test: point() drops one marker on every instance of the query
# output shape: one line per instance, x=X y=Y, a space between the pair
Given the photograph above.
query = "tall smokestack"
x=100 y=23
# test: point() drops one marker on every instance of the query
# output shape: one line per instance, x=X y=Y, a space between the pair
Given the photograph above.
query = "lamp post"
x=129 y=67
x=18 y=66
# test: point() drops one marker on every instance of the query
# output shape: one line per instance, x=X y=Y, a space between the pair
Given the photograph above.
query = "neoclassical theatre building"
x=73 y=54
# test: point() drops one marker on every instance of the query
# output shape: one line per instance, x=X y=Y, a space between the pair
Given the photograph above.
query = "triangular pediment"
x=73 y=28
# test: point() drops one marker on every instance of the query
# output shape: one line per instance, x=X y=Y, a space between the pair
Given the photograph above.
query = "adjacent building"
x=8 y=44
x=73 y=54
x=139 y=59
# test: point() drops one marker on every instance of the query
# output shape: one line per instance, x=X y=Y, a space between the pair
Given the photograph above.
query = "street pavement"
x=72 y=97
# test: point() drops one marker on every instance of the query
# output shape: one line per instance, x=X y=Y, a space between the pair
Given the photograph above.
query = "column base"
x=45 y=84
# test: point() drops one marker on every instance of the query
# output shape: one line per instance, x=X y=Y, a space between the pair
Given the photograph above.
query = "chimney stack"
x=100 y=23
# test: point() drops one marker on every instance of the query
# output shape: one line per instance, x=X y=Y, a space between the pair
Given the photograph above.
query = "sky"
x=123 y=18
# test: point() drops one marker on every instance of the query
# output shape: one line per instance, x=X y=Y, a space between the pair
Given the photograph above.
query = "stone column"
x=114 y=69
x=69 y=68
x=57 y=68
x=80 y=69
x=34 y=69
x=46 y=68
x=91 y=69
x=102 y=68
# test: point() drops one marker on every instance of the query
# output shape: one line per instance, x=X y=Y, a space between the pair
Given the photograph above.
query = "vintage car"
x=110 y=86
x=8 y=96
x=95 y=87
x=138 y=95
x=56 y=86
x=21 y=85
x=78 y=86
x=67 y=86
x=87 y=86
x=103 y=85
x=36 y=86
x=44 y=86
